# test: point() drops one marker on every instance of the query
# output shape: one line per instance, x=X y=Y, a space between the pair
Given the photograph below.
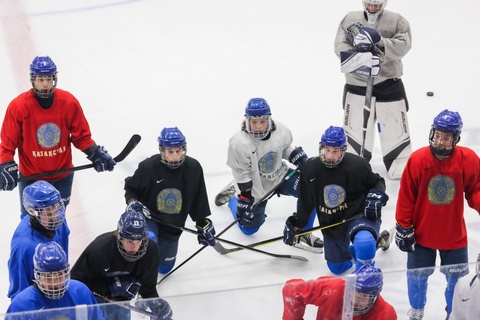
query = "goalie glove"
x=363 y=39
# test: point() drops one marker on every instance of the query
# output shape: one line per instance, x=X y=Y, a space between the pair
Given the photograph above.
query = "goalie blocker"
x=392 y=123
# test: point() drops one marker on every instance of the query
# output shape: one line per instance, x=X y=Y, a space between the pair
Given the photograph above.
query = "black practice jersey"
x=101 y=261
x=170 y=194
x=336 y=193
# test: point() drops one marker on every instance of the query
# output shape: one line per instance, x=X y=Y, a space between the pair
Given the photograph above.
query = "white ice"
x=139 y=66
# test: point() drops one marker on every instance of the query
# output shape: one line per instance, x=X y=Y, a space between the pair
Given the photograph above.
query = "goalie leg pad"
x=394 y=135
x=353 y=124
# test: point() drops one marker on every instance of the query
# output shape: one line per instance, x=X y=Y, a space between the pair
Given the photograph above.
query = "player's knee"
x=365 y=246
x=164 y=269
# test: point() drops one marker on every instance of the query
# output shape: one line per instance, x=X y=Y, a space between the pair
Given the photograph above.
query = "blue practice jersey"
x=22 y=248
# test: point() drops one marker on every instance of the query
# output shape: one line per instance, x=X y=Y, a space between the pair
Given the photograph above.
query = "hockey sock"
x=451 y=282
x=417 y=290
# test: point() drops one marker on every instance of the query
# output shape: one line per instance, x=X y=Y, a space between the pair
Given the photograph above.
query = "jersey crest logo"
x=169 y=201
x=267 y=163
x=333 y=195
x=441 y=190
x=48 y=135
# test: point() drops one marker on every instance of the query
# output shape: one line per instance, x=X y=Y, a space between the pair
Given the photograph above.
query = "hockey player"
x=430 y=209
x=466 y=297
x=327 y=293
x=387 y=39
x=255 y=155
x=42 y=124
x=45 y=222
x=172 y=187
x=120 y=264
x=341 y=186
x=53 y=288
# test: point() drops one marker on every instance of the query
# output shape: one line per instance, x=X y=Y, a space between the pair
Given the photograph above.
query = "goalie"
x=368 y=55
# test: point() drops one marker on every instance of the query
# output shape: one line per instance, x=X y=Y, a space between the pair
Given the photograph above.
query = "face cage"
x=372 y=17
x=132 y=257
x=57 y=291
x=372 y=298
x=50 y=225
x=330 y=163
x=442 y=151
x=173 y=164
x=258 y=135
x=43 y=94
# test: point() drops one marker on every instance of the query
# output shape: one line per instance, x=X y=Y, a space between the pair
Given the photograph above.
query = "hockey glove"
x=289 y=231
x=363 y=39
x=8 y=175
x=376 y=199
x=135 y=205
x=207 y=237
x=405 y=238
x=298 y=157
x=125 y=287
x=244 y=207
x=159 y=307
x=102 y=160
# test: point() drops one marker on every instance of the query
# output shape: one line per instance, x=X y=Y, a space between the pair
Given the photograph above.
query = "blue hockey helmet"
x=44 y=202
x=333 y=137
x=43 y=66
x=258 y=108
x=449 y=122
x=51 y=269
x=132 y=226
x=368 y=285
x=172 y=138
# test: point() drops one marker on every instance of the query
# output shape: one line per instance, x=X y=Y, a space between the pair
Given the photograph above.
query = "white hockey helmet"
x=373 y=9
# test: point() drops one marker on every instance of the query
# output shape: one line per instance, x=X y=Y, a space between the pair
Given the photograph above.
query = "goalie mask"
x=132 y=240
x=373 y=9
x=445 y=132
x=44 y=202
x=173 y=147
x=51 y=270
x=333 y=145
x=368 y=285
x=46 y=69
x=258 y=120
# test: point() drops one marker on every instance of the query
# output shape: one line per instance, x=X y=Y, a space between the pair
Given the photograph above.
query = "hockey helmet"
x=449 y=122
x=258 y=108
x=172 y=138
x=333 y=137
x=373 y=9
x=43 y=66
x=132 y=226
x=368 y=285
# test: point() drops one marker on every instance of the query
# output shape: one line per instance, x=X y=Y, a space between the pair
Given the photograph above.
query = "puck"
x=430 y=93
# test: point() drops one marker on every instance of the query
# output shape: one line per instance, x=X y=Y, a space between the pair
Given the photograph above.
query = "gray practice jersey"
x=396 y=39
x=466 y=300
x=260 y=161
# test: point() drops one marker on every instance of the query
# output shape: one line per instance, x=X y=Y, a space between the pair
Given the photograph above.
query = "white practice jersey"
x=260 y=161
x=466 y=300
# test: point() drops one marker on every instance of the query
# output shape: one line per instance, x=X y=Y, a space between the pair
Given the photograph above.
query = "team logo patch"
x=333 y=195
x=48 y=135
x=441 y=190
x=267 y=163
x=169 y=201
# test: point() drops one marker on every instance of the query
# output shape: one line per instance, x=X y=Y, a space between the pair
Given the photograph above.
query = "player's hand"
x=405 y=238
x=290 y=231
x=207 y=230
x=376 y=199
x=8 y=175
x=159 y=307
x=298 y=157
x=137 y=206
x=101 y=159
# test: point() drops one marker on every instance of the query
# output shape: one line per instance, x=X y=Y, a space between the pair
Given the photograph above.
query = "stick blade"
x=298 y=258
x=131 y=144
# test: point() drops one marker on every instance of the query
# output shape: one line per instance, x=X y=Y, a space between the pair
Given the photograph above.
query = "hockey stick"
x=366 y=112
x=127 y=306
x=303 y=232
x=196 y=252
x=131 y=144
x=220 y=247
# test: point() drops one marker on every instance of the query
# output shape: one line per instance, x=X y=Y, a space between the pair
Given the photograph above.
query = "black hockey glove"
x=298 y=157
x=207 y=237
x=244 y=207
x=290 y=231
x=101 y=159
x=405 y=238
x=8 y=175
x=376 y=199
x=124 y=286
x=135 y=205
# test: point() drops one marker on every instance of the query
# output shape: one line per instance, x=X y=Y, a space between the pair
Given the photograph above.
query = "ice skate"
x=384 y=240
x=225 y=195
x=415 y=314
x=310 y=243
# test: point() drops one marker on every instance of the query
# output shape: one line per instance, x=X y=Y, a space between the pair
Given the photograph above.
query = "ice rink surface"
x=139 y=66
